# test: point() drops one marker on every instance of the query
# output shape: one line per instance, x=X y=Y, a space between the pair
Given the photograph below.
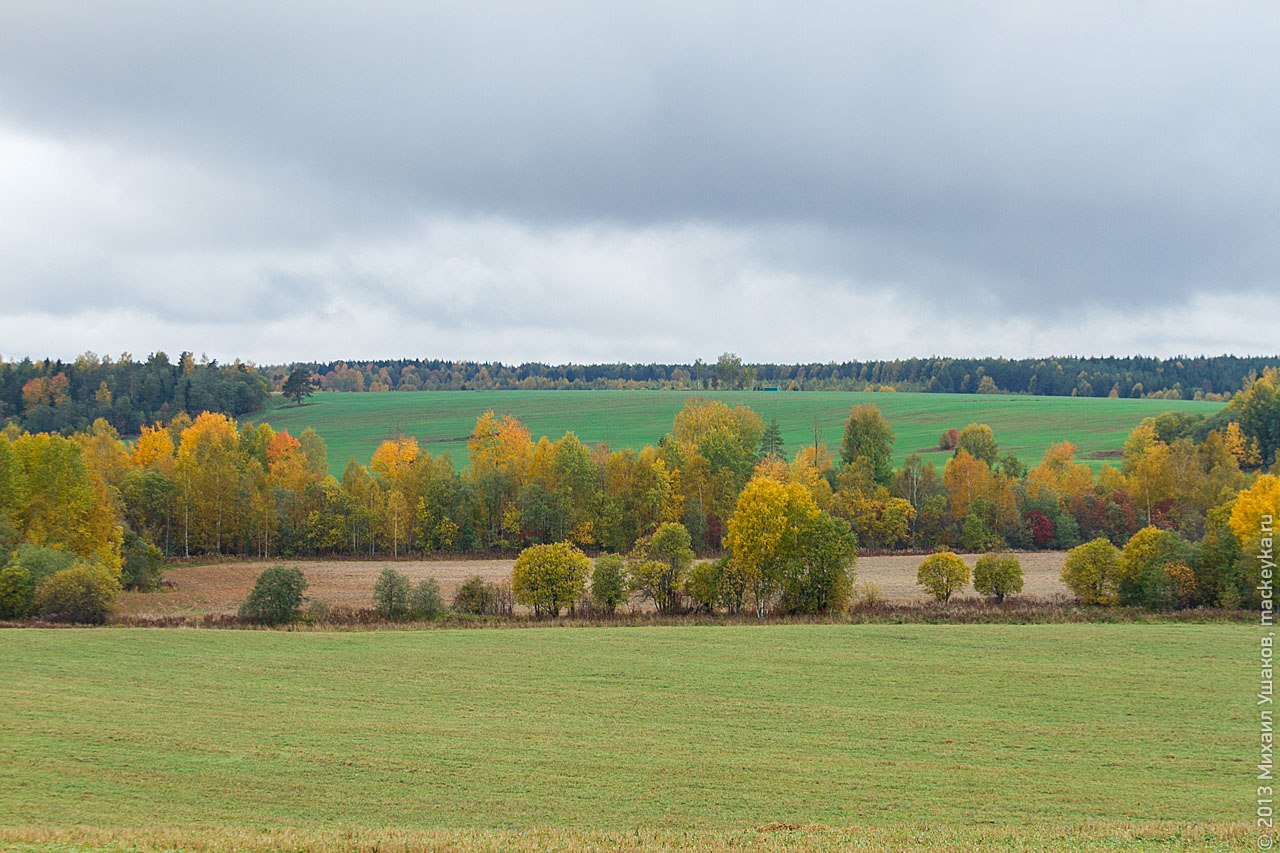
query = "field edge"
x=921 y=837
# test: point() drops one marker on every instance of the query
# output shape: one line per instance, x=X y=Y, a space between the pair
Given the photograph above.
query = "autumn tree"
x=609 y=583
x=1092 y=571
x=1257 y=409
x=549 y=577
x=639 y=493
x=500 y=444
x=705 y=585
x=502 y=457
x=1245 y=449
x=575 y=482
x=867 y=435
x=393 y=459
x=818 y=576
x=1143 y=562
x=315 y=451
x=1254 y=513
x=1059 y=477
x=208 y=473
x=761 y=537
x=997 y=575
x=659 y=563
x=13 y=486
x=56 y=501
x=967 y=479
x=154 y=449
x=1148 y=470
x=712 y=451
x=943 y=575
x=979 y=441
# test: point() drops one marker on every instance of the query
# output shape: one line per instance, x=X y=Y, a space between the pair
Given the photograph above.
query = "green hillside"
x=354 y=424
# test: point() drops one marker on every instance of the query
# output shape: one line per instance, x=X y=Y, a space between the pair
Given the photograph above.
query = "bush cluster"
x=395 y=597
x=52 y=584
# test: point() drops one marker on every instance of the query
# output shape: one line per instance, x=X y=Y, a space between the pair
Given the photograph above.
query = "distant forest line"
x=1182 y=378
x=62 y=396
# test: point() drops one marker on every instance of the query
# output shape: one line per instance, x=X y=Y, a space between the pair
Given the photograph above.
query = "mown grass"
x=354 y=424
x=970 y=731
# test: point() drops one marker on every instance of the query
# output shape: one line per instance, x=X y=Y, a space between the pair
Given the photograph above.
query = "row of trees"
x=211 y=486
x=1213 y=377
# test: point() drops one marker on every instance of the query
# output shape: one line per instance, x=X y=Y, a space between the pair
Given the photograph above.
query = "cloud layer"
x=570 y=182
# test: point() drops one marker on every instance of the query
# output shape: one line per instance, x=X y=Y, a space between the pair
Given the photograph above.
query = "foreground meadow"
x=929 y=736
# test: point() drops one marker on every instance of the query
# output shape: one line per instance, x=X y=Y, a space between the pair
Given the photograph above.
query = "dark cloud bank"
x=590 y=182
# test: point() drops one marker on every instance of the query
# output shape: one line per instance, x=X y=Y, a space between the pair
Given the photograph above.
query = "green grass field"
x=1011 y=730
x=354 y=424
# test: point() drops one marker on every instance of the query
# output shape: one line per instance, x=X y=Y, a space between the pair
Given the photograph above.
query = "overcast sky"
x=640 y=182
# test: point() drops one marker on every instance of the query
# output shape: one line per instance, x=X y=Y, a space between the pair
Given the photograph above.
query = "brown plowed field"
x=219 y=588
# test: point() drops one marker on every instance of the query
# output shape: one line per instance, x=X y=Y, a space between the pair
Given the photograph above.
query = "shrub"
x=318 y=611
x=502 y=601
x=549 y=577
x=426 y=602
x=819 y=575
x=609 y=583
x=1183 y=582
x=1042 y=528
x=705 y=585
x=975 y=535
x=143 y=564
x=17 y=592
x=1092 y=571
x=871 y=594
x=943 y=575
x=83 y=593
x=391 y=594
x=1143 y=579
x=474 y=597
x=276 y=597
x=659 y=564
x=950 y=438
x=41 y=562
x=997 y=575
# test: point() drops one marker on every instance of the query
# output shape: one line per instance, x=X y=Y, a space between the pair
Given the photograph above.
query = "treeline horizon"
x=68 y=396
x=1180 y=378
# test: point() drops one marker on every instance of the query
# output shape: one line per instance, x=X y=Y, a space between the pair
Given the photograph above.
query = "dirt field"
x=220 y=588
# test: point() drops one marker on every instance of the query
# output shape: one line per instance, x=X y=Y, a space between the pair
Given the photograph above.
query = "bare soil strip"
x=220 y=587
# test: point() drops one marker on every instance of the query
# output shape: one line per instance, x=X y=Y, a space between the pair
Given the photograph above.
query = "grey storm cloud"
x=594 y=180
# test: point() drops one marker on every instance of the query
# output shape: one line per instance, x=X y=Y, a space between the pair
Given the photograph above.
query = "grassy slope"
x=709 y=729
x=354 y=424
